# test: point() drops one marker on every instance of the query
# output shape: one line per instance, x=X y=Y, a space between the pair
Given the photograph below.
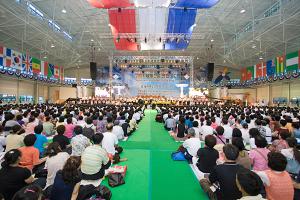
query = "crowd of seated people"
x=224 y=143
x=61 y=152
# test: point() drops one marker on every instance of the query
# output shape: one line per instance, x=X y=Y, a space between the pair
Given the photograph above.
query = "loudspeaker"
x=93 y=70
x=74 y=85
x=210 y=71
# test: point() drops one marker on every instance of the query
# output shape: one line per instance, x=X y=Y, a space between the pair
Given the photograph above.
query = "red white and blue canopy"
x=150 y=19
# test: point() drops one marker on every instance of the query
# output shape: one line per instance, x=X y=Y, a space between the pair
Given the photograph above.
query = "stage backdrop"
x=146 y=80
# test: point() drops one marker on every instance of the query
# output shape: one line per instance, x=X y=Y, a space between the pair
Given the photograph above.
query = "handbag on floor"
x=115 y=179
x=178 y=156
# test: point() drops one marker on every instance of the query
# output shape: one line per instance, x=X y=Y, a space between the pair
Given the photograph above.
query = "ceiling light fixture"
x=92 y=40
x=253 y=46
x=45 y=57
x=64 y=10
x=260 y=58
x=242 y=11
x=212 y=40
x=52 y=45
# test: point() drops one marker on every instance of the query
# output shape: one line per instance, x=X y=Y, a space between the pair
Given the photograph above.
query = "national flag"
x=251 y=73
x=261 y=70
x=244 y=74
x=50 y=70
x=5 y=57
x=44 y=68
x=16 y=60
x=36 y=66
x=270 y=68
x=62 y=76
x=292 y=61
x=56 y=71
x=26 y=63
x=279 y=64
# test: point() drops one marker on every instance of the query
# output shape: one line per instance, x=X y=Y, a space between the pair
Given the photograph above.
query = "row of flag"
x=152 y=19
x=25 y=63
x=279 y=65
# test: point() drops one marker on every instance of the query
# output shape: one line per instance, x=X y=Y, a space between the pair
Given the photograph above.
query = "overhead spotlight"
x=119 y=10
x=64 y=10
x=52 y=45
x=92 y=40
x=260 y=58
x=197 y=58
x=212 y=40
x=45 y=57
x=224 y=61
x=253 y=46
x=242 y=11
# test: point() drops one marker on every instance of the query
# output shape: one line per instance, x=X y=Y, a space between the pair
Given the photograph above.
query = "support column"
x=270 y=95
x=36 y=92
x=18 y=91
x=110 y=77
x=289 y=94
x=192 y=73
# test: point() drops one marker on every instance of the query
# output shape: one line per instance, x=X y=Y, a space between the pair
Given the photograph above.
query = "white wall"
x=54 y=93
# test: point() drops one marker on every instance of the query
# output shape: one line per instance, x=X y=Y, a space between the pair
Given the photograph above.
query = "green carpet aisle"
x=152 y=175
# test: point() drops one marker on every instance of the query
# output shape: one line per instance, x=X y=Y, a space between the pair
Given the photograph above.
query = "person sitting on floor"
x=110 y=144
x=277 y=181
x=225 y=175
x=249 y=184
x=170 y=123
x=95 y=160
x=15 y=139
x=179 y=135
x=117 y=130
x=13 y=177
x=79 y=142
x=191 y=145
x=29 y=154
x=259 y=155
x=41 y=140
x=66 y=182
x=60 y=138
x=207 y=156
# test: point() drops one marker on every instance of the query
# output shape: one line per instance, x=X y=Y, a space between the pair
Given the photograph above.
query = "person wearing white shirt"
x=206 y=129
x=117 y=130
x=245 y=133
x=137 y=117
x=191 y=145
x=218 y=119
x=268 y=132
x=110 y=141
x=227 y=130
x=197 y=130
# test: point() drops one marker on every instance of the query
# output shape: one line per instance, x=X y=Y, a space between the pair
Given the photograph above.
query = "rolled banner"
x=10 y=72
x=295 y=74
x=2 y=71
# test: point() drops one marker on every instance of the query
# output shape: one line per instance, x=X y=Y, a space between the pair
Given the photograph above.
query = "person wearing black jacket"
x=225 y=176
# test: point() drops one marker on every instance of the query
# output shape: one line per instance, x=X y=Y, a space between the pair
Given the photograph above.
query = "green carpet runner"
x=151 y=174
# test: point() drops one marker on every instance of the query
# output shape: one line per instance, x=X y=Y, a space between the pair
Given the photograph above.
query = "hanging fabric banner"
x=152 y=24
x=180 y=21
x=107 y=4
x=123 y=21
x=195 y=3
x=152 y=3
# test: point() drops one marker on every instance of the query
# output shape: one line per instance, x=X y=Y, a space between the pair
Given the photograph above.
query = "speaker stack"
x=210 y=71
x=93 y=70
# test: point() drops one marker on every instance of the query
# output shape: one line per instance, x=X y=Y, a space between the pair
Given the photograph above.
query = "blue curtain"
x=180 y=21
x=196 y=3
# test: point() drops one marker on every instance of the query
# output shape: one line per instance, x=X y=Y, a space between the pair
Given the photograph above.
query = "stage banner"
x=145 y=80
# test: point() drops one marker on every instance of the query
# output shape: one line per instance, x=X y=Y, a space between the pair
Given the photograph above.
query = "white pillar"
x=181 y=86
